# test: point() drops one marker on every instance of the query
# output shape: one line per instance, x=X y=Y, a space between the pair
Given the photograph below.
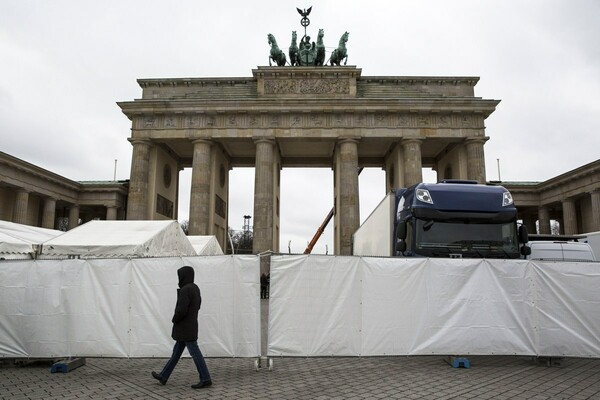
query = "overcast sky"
x=65 y=63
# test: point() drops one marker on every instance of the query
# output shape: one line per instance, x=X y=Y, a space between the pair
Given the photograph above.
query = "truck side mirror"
x=523 y=235
x=401 y=246
x=401 y=230
x=525 y=251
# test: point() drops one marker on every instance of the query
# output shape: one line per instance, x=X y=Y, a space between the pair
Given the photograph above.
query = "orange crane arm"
x=319 y=232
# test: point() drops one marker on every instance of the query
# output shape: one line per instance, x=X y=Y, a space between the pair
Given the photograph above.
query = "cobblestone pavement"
x=423 y=377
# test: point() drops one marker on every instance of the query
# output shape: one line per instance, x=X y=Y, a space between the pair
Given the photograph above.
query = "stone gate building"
x=329 y=117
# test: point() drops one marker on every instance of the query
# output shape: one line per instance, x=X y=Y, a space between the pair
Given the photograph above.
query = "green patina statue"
x=320 y=57
x=307 y=53
x=294 y=50
x=276 y=55
x=340 y=53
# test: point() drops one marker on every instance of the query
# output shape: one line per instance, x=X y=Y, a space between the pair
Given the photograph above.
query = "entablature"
x=415 y=116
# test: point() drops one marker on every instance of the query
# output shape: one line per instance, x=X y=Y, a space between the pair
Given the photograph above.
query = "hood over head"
x=186 y=275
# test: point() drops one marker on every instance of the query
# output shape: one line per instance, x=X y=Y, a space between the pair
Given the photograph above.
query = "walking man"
x=185 y=329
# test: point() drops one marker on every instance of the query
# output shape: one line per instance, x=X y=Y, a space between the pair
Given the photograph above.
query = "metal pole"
x=498 y=161
x=115 y=174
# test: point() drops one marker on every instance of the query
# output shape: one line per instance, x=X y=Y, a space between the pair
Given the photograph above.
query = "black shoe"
x=158 y=378
x=201 y=385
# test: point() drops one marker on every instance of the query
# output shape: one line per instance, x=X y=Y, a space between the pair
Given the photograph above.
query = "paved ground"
x=490 y=377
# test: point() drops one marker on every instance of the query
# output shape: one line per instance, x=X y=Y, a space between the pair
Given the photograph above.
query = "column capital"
x=477 y=139
x=410 y=140
x=346 y=139
x=266 y=139
x=203 y=141
x=143 y=141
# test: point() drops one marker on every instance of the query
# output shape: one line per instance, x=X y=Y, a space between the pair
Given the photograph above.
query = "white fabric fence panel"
x=398 y=306
x=123 y=308
x=314 y=306
x=567 y=299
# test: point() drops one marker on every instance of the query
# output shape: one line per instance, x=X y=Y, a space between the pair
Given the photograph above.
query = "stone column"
x=21 y=206
x=413 y=165
x=111 y=213
x=570 y=217
x=200 y=190
x=595 y=210
x=137 y=202
x=476 y=159
x=394 y=169
x=544 y=221
x=529 y=222
x=263 y=196
x=348 y=194
x=73 y=216
x=49 y=213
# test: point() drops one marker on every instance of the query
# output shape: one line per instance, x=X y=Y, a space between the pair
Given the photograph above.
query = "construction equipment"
x=321 y=229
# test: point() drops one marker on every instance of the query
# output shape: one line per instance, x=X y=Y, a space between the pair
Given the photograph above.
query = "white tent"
x=19 y=241
x=120 y=239
x=206 y=245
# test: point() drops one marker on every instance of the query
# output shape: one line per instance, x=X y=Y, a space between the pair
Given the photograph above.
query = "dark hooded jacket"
x=185 y=319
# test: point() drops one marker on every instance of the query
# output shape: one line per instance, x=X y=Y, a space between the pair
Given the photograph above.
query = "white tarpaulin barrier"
x=123 y=308
x=344 y=306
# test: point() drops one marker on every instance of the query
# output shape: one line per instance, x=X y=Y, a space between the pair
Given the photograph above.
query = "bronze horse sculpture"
x=294 y=50
x=340 y=53
x=276 y=55
x=320 y=58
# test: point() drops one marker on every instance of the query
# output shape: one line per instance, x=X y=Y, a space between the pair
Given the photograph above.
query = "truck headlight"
x=507 y=199
x=424 y=196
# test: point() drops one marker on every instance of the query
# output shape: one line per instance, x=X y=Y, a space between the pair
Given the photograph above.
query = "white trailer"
x=374 y=237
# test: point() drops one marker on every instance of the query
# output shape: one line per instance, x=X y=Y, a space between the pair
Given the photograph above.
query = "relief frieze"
x=170 y=122
x=423 y=120
x=339 y=120
x=295 y=121
x=360 y=120
x=149 y=122
x=311 y=120
x=210 y=121
x=316 y=120
x=275 y=120
x=307 y=86
x=253 y=121
x=381 y=120
x=403 y=120
x=192 y=121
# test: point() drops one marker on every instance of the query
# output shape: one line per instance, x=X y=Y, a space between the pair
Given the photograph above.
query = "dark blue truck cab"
x=457 y=219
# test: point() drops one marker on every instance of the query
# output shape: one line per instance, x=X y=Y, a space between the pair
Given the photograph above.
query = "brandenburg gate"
x=296 y=116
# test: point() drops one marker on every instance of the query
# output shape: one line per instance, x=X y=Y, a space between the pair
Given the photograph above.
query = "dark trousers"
x=196 y=354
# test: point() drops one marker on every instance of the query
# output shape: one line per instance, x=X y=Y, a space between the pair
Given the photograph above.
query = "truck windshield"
x=468 y=240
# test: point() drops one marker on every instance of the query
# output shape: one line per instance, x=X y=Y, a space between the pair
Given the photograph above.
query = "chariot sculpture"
x=305 y=52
